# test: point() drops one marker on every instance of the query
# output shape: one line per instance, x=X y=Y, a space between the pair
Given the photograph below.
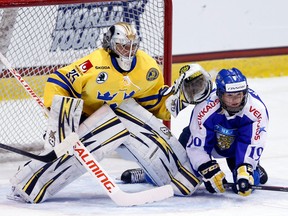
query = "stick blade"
x=156 y=194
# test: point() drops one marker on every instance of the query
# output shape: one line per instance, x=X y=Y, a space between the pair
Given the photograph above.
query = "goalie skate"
x=133 y=176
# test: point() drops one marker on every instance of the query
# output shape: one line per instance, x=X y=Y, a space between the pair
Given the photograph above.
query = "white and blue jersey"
x=214 y=133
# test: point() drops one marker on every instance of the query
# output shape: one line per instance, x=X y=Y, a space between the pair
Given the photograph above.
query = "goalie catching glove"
x=192 y=87
x=213 y=177
x=244 y=180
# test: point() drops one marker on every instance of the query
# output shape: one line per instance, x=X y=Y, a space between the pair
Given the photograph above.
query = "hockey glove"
x=213 y=177
x=244 y=180
x=193 y=86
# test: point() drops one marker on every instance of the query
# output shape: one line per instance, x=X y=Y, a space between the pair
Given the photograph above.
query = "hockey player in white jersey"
x=231 y=123
x=112 y=99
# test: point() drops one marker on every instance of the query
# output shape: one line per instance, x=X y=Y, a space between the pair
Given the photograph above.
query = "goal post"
x=37 y=37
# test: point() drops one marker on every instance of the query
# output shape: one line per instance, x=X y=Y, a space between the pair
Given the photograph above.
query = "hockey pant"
x=150 y=143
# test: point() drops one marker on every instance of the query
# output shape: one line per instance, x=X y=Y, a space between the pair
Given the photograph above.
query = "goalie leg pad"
x=64 y=118
x=102 y=132
x=156 y=150
x=36 y=181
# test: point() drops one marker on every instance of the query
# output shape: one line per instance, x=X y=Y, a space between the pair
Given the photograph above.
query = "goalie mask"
x=122 y=41
x=198 y=86
x=232 y=90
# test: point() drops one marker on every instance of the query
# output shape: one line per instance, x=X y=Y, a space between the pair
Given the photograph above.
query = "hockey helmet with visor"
x=232 y=90
x=122 y=41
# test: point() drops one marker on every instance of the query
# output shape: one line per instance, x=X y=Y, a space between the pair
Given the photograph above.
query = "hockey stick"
x=44 y=158
x=120 y=197
x=93 y=167
x=261 y=187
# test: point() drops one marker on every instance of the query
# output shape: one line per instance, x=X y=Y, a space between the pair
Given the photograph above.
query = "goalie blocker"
x=144 y=138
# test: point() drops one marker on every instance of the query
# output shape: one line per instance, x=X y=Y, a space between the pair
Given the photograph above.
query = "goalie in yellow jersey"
x=113 y=99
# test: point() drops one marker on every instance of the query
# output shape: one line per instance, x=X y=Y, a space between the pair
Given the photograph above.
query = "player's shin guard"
x=36 y=181
x=156 y=150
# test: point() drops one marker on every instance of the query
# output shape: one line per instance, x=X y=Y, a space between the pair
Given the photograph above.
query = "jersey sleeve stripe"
x=71 y=92
x=157 y=97
x=67 y=82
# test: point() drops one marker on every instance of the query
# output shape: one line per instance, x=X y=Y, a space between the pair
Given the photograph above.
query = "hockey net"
x=37 y=37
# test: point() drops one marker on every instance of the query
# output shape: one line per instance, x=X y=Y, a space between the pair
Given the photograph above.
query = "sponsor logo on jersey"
x=102 y=77
x=257 y=114
x=152 y=74
x=206 y=109
x=85 y=66
x=102 y=67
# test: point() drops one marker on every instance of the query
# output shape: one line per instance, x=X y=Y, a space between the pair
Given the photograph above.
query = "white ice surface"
x=85 y=197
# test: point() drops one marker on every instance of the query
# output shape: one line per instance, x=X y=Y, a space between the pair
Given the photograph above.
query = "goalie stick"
x=261 y=187
x=52 y=156
x=120 y=197
x=44 y=158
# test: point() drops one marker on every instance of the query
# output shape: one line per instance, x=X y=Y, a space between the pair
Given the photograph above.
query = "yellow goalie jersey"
x=94 y=79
